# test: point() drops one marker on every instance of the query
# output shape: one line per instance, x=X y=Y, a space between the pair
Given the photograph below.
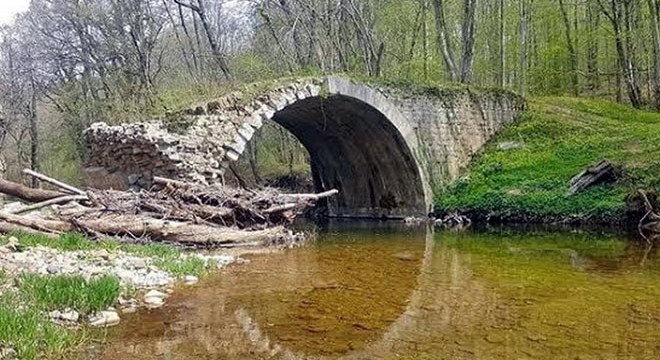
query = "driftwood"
x=55 y=201
x=59 y=184
x=649 y=224
x=27 y=194
x=172 y=211
x=601 y=171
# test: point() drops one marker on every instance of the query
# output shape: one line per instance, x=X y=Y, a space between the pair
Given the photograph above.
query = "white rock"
x=154 y=302
x=105 y=319
x=129 y=309
x=190 y=280
x=52 y=269
x=70 y=315
x=154 y=299
x=155 y=294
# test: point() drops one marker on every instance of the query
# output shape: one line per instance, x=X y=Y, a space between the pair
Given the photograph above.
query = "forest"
x=65 y=64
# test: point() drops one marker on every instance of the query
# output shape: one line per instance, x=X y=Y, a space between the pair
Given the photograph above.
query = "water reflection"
x=382 y=293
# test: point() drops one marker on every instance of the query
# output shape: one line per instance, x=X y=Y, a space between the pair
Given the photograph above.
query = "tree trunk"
x=444 y=44
x=572 y=52
x=502 y=35
x=524 y=38
x=467 y=61
x=627 y=68
x=593 y=23
x=654 y=7
x=34 y=136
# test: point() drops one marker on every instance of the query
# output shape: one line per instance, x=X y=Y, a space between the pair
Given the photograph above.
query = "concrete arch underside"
x=357 y=150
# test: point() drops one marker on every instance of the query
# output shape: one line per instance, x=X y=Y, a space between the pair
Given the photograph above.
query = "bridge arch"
x=359 y=144
x=383 y=147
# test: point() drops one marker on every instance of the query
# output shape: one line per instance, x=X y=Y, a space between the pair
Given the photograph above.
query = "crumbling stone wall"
x=195 y=144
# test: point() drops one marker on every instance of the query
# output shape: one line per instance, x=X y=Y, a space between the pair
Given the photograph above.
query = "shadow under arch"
x=356 y=149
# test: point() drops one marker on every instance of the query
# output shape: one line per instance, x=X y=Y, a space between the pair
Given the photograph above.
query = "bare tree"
x=619 y=12
x=571 y=47
x=654 y=10
x=445 y=46
x=200 y=10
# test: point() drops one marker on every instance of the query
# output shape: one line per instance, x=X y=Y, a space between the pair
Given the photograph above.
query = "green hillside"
x=560 y=137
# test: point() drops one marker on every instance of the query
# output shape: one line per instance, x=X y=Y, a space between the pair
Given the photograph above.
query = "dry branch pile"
x=172 y=211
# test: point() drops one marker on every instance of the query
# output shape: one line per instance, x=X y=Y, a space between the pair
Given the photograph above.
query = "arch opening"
x=355 y=149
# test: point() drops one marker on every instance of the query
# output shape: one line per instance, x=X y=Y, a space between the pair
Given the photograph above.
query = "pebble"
x=105 y=319
x=68 y=315
x=155 y=294
x=130 y=309
x=52 y=269
x=8 y=353
x=190 y=280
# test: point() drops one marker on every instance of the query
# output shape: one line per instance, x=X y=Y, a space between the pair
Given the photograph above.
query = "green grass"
x=32 y=335
x=562 y=136
x=28 y=329
x=62 y=291
x=182 y=267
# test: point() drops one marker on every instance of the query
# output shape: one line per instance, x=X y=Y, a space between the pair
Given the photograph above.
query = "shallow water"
x=386 y=293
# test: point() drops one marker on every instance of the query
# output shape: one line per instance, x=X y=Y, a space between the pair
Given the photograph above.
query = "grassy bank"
x=26 y=299
x=560 y=137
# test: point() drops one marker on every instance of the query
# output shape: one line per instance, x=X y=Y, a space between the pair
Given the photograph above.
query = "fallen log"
x=6 y=227
x=601 y=171
x=172 y=231
x=55 y=201
x=61 y=185
x=28 y=194
x=308 y=197
x=280 y=208
x=55 y=226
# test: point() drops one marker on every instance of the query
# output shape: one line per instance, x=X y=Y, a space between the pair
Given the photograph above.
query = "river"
x=389 y=292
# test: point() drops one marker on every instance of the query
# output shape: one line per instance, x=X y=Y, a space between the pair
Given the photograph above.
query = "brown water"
x=376 y=293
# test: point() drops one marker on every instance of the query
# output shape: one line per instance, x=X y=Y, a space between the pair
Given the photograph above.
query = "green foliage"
x=67 y=241
x=182 y=267
x=562 y=136
x=63 y=291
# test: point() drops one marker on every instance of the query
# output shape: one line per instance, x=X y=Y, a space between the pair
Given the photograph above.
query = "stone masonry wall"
x=452 y=127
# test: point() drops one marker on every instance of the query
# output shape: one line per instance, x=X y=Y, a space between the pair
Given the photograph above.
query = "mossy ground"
x=561 y=137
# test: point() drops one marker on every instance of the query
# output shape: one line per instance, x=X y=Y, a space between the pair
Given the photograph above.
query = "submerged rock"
x=154 y=299
x=105 y=319
x=190 y=280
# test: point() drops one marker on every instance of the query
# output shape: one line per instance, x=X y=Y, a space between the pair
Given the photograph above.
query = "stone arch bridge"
x=386 y=148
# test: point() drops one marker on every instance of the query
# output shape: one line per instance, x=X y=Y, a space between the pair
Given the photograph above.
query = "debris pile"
x=170 y=211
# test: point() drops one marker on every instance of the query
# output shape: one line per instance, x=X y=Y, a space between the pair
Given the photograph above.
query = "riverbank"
x=523 y=174
x=54 y=291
